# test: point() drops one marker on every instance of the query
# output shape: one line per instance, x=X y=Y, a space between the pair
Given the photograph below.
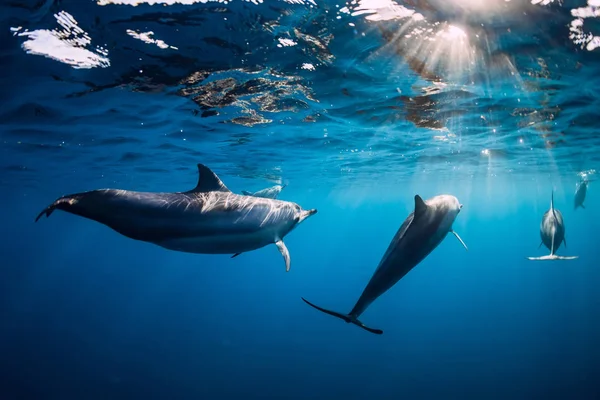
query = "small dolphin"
x=208 y=219
x=552 y=231
x=580 y=193
x=422 y=231
x=268 y=193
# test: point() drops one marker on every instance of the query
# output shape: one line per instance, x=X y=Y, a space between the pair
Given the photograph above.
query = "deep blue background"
x=513 y=113
x=90 y=314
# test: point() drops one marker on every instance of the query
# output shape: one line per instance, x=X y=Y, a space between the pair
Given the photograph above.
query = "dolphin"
x=580 y=193
x=552 y=231
x=208 y=219
x=422 y=231
x=268 y=193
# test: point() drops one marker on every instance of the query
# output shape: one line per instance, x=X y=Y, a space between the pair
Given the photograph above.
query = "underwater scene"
x=300 y=199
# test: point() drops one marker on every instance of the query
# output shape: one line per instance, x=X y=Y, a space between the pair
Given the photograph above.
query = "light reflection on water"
x=448 y=83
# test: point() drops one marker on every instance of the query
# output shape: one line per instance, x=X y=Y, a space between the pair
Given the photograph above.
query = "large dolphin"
x=552 y=231
x=208 y=219
x=580 y=193
x=422 y=231
x=268 y=193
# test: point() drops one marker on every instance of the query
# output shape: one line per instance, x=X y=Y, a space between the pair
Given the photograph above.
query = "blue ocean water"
x=356 y=107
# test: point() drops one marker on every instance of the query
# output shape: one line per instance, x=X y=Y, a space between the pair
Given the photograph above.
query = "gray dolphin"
x=580 y=193
x=552 y=231
x=208 y=219
x=422 y=231
x=268 y=193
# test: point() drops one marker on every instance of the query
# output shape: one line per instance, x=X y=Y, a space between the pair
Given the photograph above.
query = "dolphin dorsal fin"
x=420 y=206
x=208 y=181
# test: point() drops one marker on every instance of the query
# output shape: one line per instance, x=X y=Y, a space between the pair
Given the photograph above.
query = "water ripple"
x=289 y=88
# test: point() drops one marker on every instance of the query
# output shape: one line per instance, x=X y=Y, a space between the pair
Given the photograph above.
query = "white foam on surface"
x=69 y=44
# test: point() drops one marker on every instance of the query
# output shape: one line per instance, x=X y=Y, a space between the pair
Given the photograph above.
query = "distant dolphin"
x=552 y=231
x=268 y=193
x=208 y=219
x=580 y=193
x=422 y=231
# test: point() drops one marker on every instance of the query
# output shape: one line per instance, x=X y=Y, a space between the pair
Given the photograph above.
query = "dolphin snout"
x=307 y=213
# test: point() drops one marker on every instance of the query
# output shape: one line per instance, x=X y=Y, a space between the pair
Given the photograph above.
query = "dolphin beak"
x=307 y=213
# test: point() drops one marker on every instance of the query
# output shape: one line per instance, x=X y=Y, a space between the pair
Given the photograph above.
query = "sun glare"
x=453 y=32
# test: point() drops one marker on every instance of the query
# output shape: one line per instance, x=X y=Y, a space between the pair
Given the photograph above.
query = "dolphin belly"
x=218 y=244
x=552 y=230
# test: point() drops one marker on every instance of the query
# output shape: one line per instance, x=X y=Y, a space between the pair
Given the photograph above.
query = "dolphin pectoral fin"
x=345 y=317
x=541 y=243
x=565 y=241
x=582 y=206
x=235 y=255
x=246 y=193
x=552 y=257
x=285 y=253
x=460 y=240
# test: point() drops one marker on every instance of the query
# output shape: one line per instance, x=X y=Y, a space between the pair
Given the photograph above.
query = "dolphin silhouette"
x=552 y=231
x=208 y=219
x=580 y=193
x=268 y=193
x=422 y=231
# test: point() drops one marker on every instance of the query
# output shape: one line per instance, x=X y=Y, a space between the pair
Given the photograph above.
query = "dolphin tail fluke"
x=552 y=257
x=62 y=204
x=48 y=210
x=345 y=317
